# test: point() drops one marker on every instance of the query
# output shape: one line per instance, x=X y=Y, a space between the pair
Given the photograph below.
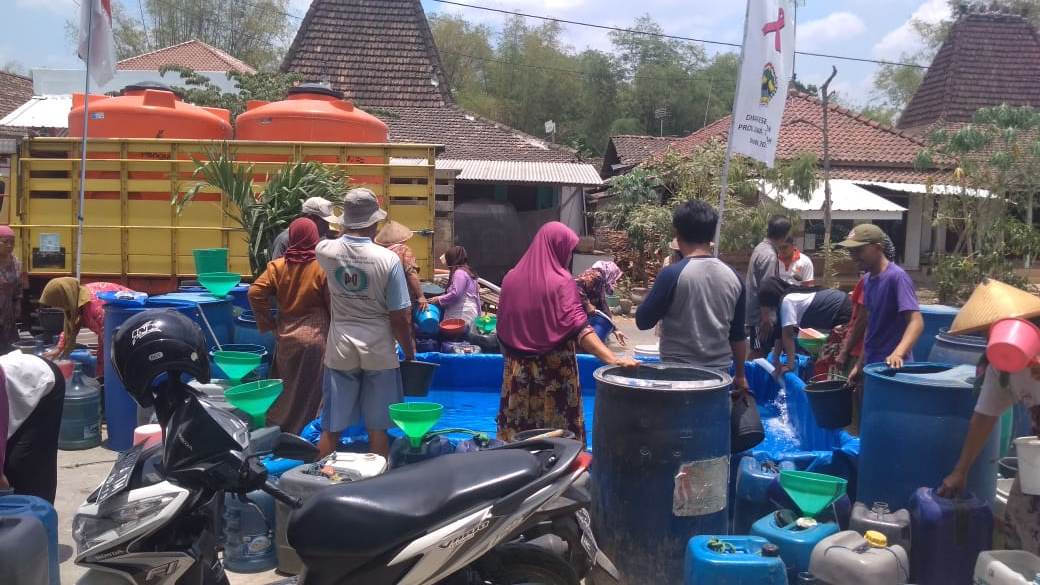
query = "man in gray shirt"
x=764 y=264
x=698 y=300
x=317 y=209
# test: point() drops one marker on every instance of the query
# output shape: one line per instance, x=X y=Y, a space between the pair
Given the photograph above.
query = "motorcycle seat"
x=369 y=517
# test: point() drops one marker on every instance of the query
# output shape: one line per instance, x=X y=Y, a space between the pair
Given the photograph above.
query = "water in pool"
x=476 y=409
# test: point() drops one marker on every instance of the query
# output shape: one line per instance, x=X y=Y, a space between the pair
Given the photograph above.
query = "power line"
x=668 y=36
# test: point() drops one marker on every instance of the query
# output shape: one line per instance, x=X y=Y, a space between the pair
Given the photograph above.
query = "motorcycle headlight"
x=90 y=531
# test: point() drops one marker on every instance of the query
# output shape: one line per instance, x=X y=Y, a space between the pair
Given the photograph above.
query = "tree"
x=465 y=51
x=14 y=67
x=256 y=32
x=199 y=90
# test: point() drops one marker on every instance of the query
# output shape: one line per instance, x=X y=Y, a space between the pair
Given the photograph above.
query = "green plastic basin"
x=219 y=284
x=415 y=418
x=210 y=260
x=236 y=364
x=255 y=398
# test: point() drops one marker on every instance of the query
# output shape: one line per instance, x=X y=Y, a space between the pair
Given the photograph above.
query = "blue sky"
x=33 y=33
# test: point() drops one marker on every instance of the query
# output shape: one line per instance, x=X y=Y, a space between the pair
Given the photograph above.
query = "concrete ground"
x=80 y=472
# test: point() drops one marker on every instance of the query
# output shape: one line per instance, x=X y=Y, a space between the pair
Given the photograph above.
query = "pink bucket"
x=1013 y=345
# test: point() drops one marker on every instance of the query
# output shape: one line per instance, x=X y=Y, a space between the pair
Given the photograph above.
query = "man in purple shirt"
x=893 y=316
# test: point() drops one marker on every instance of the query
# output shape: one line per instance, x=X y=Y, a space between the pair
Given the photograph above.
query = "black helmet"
x=154 y=342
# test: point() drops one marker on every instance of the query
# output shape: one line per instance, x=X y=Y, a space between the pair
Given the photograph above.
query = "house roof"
x=630 y=149
x=849 y=200
x=497 y=171
x=860 y=148
x=987 y=60
x=467 y=136
x=195 y=55
x=14 y=91
x=380 y=53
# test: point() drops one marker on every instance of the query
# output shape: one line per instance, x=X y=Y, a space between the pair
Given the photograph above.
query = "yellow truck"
x=133 y=235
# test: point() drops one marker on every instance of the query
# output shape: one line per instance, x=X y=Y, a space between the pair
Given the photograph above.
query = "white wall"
x=572 y=208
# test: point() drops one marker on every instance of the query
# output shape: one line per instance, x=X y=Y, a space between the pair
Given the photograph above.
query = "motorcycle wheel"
x=523 y=564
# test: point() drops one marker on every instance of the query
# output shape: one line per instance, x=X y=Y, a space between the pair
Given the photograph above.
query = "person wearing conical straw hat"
x=992 y=302
x=393 y=236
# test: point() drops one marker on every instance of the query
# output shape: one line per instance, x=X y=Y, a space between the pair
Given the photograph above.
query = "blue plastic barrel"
x=240 y=298
x=120 y=408
x=249 y=533
x=935 y=317
x=246 y=332
x=44 y=512
x=661 y=437
x=913 y=426
x=219 y=312
x=956 y=349
x=732 y=560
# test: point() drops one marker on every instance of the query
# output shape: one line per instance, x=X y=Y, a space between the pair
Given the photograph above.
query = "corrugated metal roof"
x=921 y=188
x=497 y=171
x=848 y=201
x=41 y=111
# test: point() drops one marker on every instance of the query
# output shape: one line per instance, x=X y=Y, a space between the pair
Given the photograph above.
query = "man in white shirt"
x=370 y=310
x=795 y=267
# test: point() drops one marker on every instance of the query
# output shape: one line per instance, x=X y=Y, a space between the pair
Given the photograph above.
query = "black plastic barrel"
x=661 y=445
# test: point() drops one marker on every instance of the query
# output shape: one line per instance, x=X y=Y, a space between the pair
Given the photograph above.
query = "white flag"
x=766 y=69
x=95 y=31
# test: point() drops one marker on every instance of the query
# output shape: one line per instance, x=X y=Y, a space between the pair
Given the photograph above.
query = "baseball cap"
x=320 y=207
x=360 y=209
x=862 y=235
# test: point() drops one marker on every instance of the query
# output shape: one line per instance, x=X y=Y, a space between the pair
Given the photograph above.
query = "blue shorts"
x=349 y=396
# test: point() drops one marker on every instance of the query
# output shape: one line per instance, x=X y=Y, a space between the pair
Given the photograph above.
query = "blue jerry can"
x=733 y=560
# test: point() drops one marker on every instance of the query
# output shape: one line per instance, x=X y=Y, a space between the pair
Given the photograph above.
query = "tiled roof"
x=380 y=53
x=468 y=136
x=497 y=171
x=987 y=60
x=15 y=90
x=195 y=55
x=860 y=148
x=631 y=149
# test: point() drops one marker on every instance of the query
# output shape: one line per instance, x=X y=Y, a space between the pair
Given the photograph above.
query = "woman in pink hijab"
x=541 y=323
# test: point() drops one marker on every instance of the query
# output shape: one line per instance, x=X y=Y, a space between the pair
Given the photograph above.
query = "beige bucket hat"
x=993 y=301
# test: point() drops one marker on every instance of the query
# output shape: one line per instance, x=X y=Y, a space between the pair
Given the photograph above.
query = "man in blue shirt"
x=370 y=310
x=699 y=300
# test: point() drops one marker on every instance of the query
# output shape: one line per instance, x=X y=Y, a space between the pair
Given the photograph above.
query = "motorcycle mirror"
x=289 y=446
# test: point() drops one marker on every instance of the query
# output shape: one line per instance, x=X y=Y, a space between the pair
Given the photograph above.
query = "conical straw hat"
x=994 y=301
x=393 y=233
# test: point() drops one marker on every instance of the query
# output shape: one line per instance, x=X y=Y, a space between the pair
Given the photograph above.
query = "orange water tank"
x=148 y=110
x=312 y=113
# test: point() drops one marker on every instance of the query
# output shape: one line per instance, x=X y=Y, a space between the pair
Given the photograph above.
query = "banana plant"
x=263 y=212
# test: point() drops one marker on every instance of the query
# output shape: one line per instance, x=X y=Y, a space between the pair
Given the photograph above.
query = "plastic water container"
x=81 y=413
x=240 y=299
x=913 y=424
x=956 y=349
x=24 y=551
x=429 y=321
x=1007 y=567
x=246 y=332
x=356 y=466
x=849 y=558
x=733 y=560
x=402 y=453
x=31 y=506
x=1028 y=450
x=936 y=318
x=601 y=324
x=303 y=484
x=796 y=537
x=894 y=525
x=1005 y=534
x=754 y=475
x=249 y=533
x=219 y=312
x=948 y=536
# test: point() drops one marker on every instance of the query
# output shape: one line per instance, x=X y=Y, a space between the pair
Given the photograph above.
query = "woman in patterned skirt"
x=82 y=308
x=541 y=324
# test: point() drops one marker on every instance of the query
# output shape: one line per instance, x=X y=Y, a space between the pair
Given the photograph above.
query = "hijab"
x=456 y=258
x=539 y=306
x=303 y=238
x=69 y=295
x=28 y=379
x=611 y=274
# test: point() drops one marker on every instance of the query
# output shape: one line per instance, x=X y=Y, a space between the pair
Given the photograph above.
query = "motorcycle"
x=460 y=519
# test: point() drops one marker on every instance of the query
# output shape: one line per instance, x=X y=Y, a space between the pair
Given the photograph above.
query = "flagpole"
x=83 y=148
x=724 y=187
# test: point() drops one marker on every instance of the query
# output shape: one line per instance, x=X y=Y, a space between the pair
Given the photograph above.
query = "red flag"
x=95 y=32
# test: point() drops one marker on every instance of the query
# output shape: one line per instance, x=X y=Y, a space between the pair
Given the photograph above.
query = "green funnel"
x=415 y=418
x=219 y=284
x=255 y=398
x=236 y=364
x=812 y=492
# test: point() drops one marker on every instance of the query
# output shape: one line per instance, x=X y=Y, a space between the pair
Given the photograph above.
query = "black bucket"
x=746 y=430
x=417 y=377
x=831 y=402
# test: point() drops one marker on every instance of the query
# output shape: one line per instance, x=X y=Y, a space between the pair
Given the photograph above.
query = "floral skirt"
x=541 y=393
x=827 y=364
x=299 y=362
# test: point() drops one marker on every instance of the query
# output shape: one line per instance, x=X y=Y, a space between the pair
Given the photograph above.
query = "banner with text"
x=768 y=62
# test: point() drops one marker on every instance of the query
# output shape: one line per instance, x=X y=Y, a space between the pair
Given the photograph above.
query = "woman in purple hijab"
x=541 y=323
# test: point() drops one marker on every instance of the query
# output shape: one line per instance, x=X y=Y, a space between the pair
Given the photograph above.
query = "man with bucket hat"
x=992 y=308
x=317 y=209
x=370 y=310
